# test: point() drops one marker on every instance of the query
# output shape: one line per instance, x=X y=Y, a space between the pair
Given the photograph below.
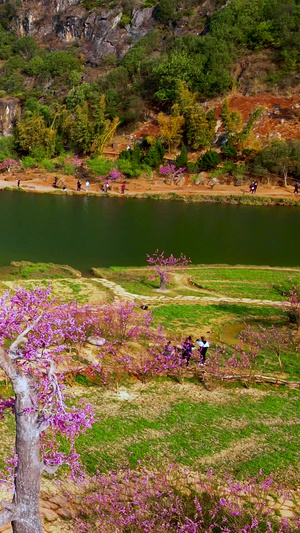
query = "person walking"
x=87 y=184
x=187 y=349
x=203 y=347
x=78 y=186
x=19 y=184
x=296 y=188
x=123 y=187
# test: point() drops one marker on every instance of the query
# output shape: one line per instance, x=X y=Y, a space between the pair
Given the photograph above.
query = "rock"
x=60 y=501
x=49 y=515
x=61 y=183
x=48 y=505
x=96 y=341
x=8 y=112
x=65 y=513
x=96 y=31
x=201 y=178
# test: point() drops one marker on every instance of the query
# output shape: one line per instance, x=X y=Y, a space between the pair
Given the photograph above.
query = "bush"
x=29 y=162
x=210 y=159
x=39 y=153
x=56 y=63
x=34 y=67
x=100 y=166
x=134 y=155
x=48 y=164
x=68 y=168
x=155 y=155
x=229 y=150
x=181 y=160
x=129 y=169
x=26 y=47
x=7 y=148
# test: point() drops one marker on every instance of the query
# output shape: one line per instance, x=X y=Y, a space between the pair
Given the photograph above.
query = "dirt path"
x=40 y=181
x=122 y=294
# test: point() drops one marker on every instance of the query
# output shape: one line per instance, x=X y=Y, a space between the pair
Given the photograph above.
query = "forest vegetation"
x=68 y=106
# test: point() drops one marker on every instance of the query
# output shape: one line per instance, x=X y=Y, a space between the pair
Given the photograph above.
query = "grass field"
x=200 y=426
x=237 y=282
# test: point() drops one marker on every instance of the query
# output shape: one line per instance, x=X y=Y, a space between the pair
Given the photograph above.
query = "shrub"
x=155 y=155
x=210 y=159
x=29 y=162
x=174 y=500
x=229 y=150
x=26 y=47
x=100 y=166
x=7 y=148
x=129 y=169
x=34 y=67
x=182 y=159
x=68 y=168
x=48 y=164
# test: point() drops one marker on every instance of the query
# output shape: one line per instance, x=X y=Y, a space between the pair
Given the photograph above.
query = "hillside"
x=77 y=71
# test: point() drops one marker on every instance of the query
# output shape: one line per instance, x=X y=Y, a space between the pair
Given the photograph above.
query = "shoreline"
x=143 y=189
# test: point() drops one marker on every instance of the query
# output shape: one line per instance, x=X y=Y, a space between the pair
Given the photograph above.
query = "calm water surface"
x=84 y=231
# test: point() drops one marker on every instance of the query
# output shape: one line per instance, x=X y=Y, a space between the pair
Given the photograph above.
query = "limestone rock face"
x=97 y=32
x=8 y=111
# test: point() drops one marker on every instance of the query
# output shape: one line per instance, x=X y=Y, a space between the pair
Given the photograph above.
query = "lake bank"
x=144 y=188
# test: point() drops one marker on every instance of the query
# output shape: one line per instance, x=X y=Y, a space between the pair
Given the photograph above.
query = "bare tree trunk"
x=28 y=470
x=285 y=174
x=162 y=286
x=23 y=511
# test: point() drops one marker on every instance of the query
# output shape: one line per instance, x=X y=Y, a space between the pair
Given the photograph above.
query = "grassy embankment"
x=233 y=428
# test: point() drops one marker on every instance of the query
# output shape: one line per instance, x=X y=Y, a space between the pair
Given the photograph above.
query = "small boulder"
x=96 y=341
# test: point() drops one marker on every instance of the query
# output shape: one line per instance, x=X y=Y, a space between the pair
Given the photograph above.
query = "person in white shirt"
x=87 y=184
x=203 y=347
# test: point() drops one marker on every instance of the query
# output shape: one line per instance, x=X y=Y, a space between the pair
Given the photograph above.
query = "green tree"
x=32 y=134
x=26 y=47
x=231 y=120
x=34 y=67
x=166 y=12
x=171 y=127
x=209 y=160
x=281 y=158
x=181 y=160
x=200 y=125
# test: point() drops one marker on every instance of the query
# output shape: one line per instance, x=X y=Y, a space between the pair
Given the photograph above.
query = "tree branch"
x=7 y=365
x=50 y=469
x=7 y=514
x=22 y=338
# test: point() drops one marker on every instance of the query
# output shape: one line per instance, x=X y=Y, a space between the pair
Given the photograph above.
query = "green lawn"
x=230 y=430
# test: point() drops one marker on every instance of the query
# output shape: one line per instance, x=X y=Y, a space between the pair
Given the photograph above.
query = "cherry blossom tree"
x=34 y=334
x=272 y=340
x=163 y=266
x=172 y=174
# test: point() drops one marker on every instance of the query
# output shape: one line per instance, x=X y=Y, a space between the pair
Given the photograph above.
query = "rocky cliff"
x=98 y=32
x=8 y=112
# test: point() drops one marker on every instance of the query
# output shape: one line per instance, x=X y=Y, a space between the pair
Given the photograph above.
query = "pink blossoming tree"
x=34 y=335
x=163 y=266
x=172 y=174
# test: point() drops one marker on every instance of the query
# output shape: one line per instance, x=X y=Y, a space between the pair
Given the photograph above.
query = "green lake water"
x=84 y=231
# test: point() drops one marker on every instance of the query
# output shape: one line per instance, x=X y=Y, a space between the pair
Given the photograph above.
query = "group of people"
x=79 y=185
x=253 y=187
x=187 y=348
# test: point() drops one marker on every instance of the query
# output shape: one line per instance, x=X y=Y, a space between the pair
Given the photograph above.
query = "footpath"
x=122 y=294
